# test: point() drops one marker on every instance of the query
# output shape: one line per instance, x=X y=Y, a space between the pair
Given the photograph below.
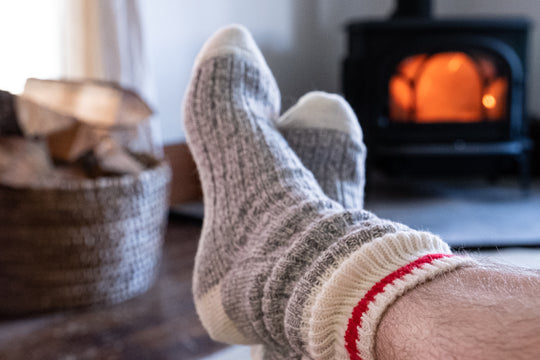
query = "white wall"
x=302 y=40
x=176 y=29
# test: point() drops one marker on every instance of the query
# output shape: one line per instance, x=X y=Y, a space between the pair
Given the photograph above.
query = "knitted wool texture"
x=279 y=263
x=324 y=132
x=322 y=129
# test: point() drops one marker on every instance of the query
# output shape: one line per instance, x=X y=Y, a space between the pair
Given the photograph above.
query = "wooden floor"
x=161 y=324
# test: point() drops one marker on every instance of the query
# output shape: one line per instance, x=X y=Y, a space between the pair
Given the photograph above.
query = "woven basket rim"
x=161 y=166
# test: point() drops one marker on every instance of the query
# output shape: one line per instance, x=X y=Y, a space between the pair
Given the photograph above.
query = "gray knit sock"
x=324 y=132
x=279 y=263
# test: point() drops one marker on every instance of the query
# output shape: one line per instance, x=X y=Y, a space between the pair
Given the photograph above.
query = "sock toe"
x=232 y=39
x=319 y=109
x=324 y=132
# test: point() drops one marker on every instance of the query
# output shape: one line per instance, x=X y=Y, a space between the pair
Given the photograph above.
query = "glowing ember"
x=489 y=101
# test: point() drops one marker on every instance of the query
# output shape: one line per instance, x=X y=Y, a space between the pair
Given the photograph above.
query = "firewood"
x=99 y=104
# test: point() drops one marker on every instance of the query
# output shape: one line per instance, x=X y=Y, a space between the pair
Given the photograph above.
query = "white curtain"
x=104 y=41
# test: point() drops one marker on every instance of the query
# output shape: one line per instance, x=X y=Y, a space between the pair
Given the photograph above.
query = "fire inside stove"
x=448 y=87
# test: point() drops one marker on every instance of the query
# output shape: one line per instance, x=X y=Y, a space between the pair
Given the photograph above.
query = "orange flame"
x=447 y=87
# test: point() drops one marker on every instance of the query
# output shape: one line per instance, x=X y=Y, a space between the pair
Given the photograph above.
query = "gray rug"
x=465 y=213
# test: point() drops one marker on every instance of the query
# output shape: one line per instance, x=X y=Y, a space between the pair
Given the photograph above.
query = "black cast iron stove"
x=439 y=93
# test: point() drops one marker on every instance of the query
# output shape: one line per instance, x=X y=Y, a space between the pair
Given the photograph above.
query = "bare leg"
x=486 y=312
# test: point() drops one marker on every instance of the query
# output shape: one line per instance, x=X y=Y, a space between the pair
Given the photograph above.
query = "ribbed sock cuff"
x=349 y=306
x=366 y=315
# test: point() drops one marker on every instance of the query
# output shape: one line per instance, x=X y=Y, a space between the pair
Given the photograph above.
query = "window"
x=30 y=41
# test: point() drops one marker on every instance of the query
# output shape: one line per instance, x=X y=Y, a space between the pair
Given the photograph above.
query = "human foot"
x=324 y=132
x=279 y=263
x=249 y=177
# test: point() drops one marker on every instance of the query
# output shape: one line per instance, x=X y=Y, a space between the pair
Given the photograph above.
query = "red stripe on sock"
x=355 y=321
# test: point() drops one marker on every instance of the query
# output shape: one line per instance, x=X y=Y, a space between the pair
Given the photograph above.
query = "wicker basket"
x=81 y=243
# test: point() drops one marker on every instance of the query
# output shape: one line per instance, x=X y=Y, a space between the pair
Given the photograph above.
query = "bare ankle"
x=475 y=313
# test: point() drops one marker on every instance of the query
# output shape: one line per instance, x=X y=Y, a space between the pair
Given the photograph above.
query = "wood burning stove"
x=445 y=89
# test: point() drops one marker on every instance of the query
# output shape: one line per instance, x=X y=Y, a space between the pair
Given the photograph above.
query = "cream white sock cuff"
x=334 y=304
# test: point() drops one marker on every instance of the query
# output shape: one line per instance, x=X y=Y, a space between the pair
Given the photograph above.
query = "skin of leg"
x=477 y=312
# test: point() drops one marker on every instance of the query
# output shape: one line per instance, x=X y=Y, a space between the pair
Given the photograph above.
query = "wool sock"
x=279 y=263
x=324 y=132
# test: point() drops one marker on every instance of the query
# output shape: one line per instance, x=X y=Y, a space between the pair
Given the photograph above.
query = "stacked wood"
x=68 y=124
